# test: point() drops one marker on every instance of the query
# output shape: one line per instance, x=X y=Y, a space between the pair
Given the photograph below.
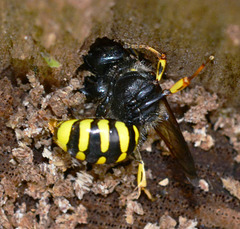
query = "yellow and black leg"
x=162 y=59
x=141 y=176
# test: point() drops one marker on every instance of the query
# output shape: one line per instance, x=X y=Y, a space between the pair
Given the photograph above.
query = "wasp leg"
x=103 y=108
x=144 y=102
x=147 y=96
x=151 y=101
x=141 y=177
x=162 y=60
x=144 y=93
x=185 y=81
x=145 y=107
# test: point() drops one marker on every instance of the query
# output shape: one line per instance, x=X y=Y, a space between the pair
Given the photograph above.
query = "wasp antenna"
x=200 y=68
x=185 y=81
x=135 y=46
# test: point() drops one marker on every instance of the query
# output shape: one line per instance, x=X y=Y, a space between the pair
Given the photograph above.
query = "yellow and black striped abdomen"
x=97 y=140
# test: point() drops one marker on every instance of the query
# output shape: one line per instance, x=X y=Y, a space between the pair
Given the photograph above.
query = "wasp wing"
x=169 y=130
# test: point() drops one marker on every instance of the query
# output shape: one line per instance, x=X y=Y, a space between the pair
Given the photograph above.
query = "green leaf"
x=52 y=63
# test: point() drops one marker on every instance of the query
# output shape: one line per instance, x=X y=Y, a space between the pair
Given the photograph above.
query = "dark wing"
x=168 y=129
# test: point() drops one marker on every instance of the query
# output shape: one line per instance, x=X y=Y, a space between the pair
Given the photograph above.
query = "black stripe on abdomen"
x=72 y=145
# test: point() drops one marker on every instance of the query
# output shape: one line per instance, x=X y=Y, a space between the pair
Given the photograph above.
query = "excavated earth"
x=42 y=44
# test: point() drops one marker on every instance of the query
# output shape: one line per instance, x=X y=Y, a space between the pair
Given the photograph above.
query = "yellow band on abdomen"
x=121 y=157
x=101 y=160
x=123 y=134
x=81 y=156
x=84 y=129
x=63 y=133
x=103 y=126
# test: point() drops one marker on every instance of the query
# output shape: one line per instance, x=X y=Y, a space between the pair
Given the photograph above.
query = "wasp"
x=129 y=99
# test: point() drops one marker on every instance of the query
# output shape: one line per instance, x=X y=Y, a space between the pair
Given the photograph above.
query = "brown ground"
x=42 y=187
